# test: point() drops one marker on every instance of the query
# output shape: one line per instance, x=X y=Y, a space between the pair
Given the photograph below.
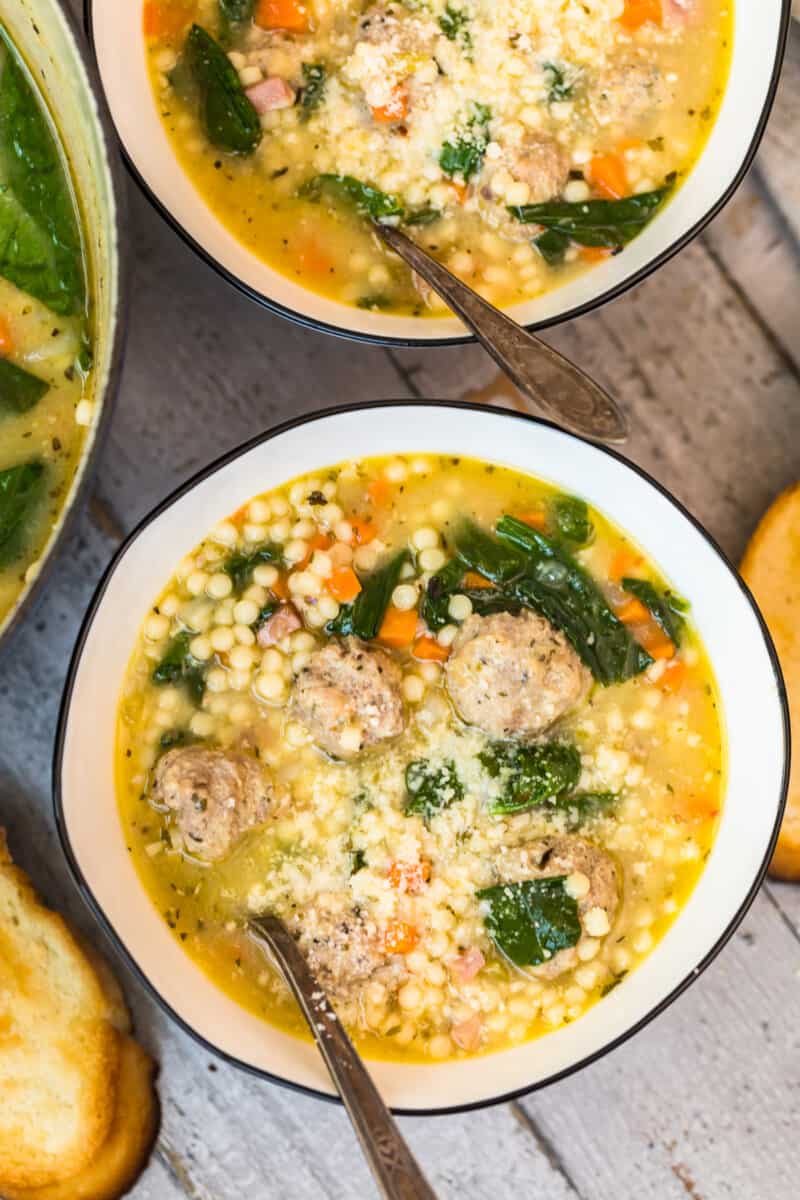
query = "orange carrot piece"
x=409 y=877
x=633 y=612
x=363 y=531
x=379 y=491
x=163 y=19
x=473 y=580
x=312 y=258
x=694 y=809
x=536 y=520
x=461 y=190
x=398 y=626
x=320 y=541
x=637 y=12
x=624 y=562
x=395 y=110
x=428 y=649
x=593 y=253
x=606 y=173
x=400 y=938
x=282 y=14
x=280 y=588
x=673 y=677
x=655 y=642
x=343 y=584
x=6 y=338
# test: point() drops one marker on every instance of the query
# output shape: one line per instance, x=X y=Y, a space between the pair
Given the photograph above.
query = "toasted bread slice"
x=125 y=1150
x=59 y=1053
x=117 y=1009
x=771 y=569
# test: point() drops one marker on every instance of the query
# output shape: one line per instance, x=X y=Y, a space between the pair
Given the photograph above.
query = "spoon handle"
x=554 y=384
x=395 y=1169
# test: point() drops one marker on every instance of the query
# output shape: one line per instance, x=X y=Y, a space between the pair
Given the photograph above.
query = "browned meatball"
x=343 y=947
x=630 y=91
x=543 y=164
x=514 y=675
x=348 y=697
x=215 y=796
x=593 y=881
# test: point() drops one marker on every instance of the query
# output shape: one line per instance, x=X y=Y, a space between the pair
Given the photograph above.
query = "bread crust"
x=59 y=1053
x=771 y=569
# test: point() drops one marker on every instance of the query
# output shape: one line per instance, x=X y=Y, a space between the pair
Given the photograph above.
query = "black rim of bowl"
x=374 y=339
x=692 y=973
x=89 y=458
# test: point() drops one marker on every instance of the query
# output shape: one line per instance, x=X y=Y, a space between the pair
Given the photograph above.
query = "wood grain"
x=705 y=356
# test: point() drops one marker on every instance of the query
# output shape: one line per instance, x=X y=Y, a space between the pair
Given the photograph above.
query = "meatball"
x=543 y=164
x=514 y=675
x=343 y=947
x=593 y=881
x=628 y=92
x=348 y=697
x=215 y=796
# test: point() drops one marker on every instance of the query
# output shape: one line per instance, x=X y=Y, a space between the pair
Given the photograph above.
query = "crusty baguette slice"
x=123 y=1154
x=117 y=1009
x=59 y=1053
x=771 y=569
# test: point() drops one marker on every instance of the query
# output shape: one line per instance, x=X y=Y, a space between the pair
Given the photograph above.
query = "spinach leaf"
x=464 y=155
x=19 y=390
x=532 y=776
x=498 y=562
x=313 y=93
x=231 y=122
x=605 y=223
x=367 y=199
x=665 y=608
x=377 y=302
x=531 y=921
x=454 y=24
x=571 y=521
x=584 y=806
x=240 y=566
x=40 y=241
x=236 y=11
x=552 y=245
x=441 y=586
x=363 y=618
x=555 y=585
x=422 y=216
x=176 y=737
x=179 y=668
x=267 y=611
x=21 y=490
x=432 y=787
x=358 y=860
x=560 y=81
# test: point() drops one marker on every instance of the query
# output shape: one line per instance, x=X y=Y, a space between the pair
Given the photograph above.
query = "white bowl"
x=754 y=711
x=51 y=46
x=760 y=34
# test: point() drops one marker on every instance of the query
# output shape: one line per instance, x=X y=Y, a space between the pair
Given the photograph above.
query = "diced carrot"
x=633 y=612
x=637 y=12
x=673 y=677
x=400 y=938
x=165 y=19
x=312 y=258
x=409 y=877
x=282 y=14
x=280 y=588
x=655 y=641
x=606 y=173
x=398 y=626
x=629 y=143
x=343 y=584
x=694 y=808
x=461 y=191
x=6 y=338
x=473 y=580
x=536 y=520
x=379 y=491
x=624 y=562
x=363 y=531
x=319 y=541
x=428 y=649
x=395 y=110
x=593 y=253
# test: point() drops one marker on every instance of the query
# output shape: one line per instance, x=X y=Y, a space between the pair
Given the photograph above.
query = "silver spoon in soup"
x=551 y=382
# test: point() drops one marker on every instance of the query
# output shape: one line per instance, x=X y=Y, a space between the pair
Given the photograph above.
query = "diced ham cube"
x=467 y=1034
x=270 y=93
x=467 y=965
x=283 y=622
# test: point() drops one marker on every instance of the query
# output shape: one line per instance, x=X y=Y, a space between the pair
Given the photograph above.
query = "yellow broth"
x=655 y=740
x=584 y=105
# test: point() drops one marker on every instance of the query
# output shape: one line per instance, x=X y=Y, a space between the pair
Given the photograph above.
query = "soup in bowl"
x=466 y=733
x=547 y=153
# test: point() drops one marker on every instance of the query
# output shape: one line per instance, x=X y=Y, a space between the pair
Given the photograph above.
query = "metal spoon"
x=396 y=1171
x=554 y=384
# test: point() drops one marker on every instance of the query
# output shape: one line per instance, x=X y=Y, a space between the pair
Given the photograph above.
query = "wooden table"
x=706 y=357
